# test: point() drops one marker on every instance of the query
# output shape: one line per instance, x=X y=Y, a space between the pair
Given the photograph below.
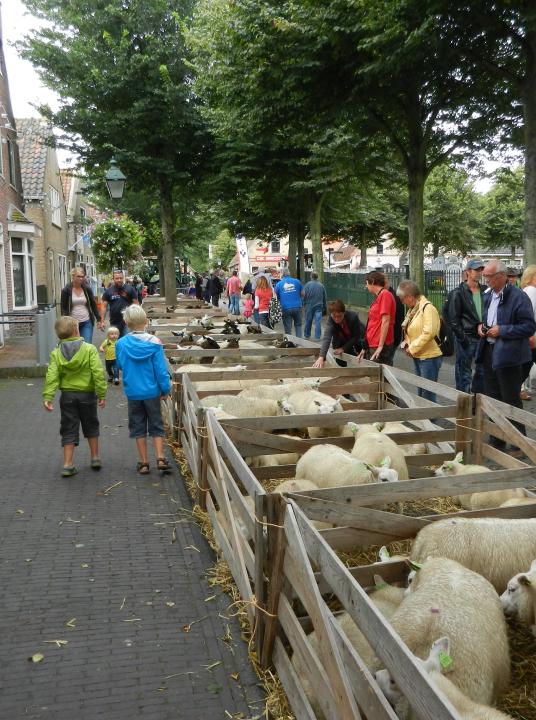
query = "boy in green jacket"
x=75 y=368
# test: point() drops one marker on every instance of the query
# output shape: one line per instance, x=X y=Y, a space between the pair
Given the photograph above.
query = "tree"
x=504 y=208
x=121 y=70
x=116 y=241
x=224 y=248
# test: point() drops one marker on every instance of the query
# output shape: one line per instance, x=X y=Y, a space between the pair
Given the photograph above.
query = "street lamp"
x=115 y=181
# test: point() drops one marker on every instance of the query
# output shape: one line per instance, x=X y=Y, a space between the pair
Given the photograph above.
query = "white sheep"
x=386 y=598
x=438 y=660
x=278 y=391
x=331 y=466
x=313 y=402
x=514 y=502
x=497 y=548
x=448 y=599
x=519 y=598
x=476 y=501
x=294 y=486
x=275 y=459
x=243 y=407
x=373 y=448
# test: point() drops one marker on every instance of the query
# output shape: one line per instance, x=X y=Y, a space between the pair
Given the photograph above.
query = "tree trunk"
x=315 y=232
x=529 y=115
x=168 y=250
x=292 y=248
x=435 y=249
x=363 y=245
x=300 y=251
x=416 y=226
x=162 y=280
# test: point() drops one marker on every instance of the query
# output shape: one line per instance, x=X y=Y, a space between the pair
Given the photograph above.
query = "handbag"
x=274 y=310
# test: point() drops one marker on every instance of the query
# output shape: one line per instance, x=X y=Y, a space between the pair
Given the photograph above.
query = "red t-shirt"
x=264 y=298
x=383 y=305
x=233 y=285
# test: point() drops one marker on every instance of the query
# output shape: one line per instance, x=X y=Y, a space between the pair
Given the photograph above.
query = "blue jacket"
x=515 y=319
x=288 y=290
x=145 y=373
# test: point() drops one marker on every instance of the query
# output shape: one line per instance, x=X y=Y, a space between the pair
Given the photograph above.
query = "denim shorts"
x=78 y=408
x=144 y=418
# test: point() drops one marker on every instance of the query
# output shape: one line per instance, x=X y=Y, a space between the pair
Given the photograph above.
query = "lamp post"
x=115 y=181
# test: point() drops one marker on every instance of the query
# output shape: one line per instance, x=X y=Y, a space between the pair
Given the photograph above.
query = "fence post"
x=41 y=337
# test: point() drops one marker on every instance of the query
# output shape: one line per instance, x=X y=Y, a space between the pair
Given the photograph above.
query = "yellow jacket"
x=420 y=327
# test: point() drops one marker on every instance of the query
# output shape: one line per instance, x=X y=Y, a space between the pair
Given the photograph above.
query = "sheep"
x=235 y=343
x=386 y=598
x=476 y=501
x=280 y=391
x=284 y=343
x=397 y=427
x=438 y=657
x=519 y=598
x=446 y=598
x=288 y=458
x=374 y=448
x=331 y=466
x=243 y=407
x=313 y=402
x=496 y=548
x=513 y=502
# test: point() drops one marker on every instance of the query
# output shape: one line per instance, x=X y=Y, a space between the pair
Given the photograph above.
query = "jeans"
x=429 y=370
x=86 y=330
x=112 y=369
x=313 y=312
x=264 y=319
x=466 y=380
x=290 y=315
x=234 y=304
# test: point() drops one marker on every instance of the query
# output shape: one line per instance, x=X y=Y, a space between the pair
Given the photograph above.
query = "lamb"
x=447 y=599
x=331 y=466
x=280 y=391
x=496 y=548
x=513 y=502
x=439 y=653
x=313 y=402
x=275 y=459
x=373 y=448
x=236 y=343
x=386 y=598
x=243 y=407
x=476 y=501
x=519 y=598
x=410 y=449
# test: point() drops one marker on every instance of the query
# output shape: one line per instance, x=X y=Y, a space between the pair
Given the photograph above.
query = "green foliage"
x=224 y=248
x=116 y=241
x=504 y=208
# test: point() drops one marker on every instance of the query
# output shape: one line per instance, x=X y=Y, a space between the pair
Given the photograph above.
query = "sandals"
x=163 y=465
x=143 y=468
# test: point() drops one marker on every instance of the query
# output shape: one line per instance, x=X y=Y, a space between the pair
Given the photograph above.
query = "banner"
x=243 y=258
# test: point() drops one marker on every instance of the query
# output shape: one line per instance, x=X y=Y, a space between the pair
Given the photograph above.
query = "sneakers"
x=110 y=379
x=116 y=382
x=96 y=464
x=68 y=471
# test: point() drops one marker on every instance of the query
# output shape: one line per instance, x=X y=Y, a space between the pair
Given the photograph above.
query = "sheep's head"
x=324 y=408
x=255 y=329
x=353 y=427
x=286 y=407
x=208 y=343
x=519 y=598
x=232 y=344
x=385 y=473
x=450 y=467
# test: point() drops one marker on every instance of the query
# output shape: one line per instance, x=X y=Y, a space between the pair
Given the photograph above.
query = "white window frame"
x=28 y=264
x=55 y=207
x=11 y=168
x=62 y=270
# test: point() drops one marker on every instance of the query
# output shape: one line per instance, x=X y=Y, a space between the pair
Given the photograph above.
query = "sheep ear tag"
x=415 y=565
x=445 y=661
x=386 y=462
x=459 y=458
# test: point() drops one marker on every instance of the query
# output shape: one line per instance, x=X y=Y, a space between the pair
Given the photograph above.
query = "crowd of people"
x=493 y=328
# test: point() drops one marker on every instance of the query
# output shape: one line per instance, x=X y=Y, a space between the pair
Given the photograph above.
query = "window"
x=276 y=246
x=82 y=216
x=379 y=249
x=62 y=269
x=22 y=268
x=55 y=206
x=11 y=161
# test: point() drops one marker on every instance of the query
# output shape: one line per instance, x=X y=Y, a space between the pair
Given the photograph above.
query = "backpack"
x=445 y=337
x=274 y=311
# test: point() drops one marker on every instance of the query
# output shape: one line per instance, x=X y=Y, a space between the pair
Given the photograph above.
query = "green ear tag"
x=415 y=565
x=379 y=586
x=445 y=661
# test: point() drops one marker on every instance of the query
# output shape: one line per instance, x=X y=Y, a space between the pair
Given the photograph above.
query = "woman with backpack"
x=421 y=327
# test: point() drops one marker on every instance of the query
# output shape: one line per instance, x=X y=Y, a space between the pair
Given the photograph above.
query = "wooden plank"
x=260 y=557
x=315 y=673
x=501 y=458
x=464 y=425
x=512 y=413
x=196 y=351
x=275 y=556
x=348 y=538
x=291 y=684
x=419 y=382
x=429 y=460
x=271 y=373
x=515 y=437
x=478 y=438
x=305 y=584
x=412 y=680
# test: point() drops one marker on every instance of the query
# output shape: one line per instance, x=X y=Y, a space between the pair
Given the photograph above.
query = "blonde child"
x=248 y=305
x=108 y=348
x=75 y=368
x=146 y=381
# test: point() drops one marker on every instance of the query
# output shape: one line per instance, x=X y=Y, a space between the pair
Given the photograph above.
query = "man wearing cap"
x=464 y=314
x=513 y=274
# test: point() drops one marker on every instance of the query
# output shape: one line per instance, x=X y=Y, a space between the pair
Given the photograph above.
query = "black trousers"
x=503 y=384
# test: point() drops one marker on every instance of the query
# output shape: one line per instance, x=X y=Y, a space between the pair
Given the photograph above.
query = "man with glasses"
x=507 y=324
x=464 y=315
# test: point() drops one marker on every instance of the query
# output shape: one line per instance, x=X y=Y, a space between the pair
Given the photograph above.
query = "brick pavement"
x=106 y=562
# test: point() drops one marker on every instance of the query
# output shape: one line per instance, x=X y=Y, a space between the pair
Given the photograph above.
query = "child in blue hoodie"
x=146 y=381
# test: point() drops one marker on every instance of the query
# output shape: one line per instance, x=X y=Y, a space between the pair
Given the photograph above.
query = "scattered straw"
x=520 y=701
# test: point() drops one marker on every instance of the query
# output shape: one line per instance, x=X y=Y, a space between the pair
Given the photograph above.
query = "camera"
x=485 y=328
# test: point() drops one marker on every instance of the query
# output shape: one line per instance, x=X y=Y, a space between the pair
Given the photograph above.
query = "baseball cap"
x=513 y=272
x=475 y=264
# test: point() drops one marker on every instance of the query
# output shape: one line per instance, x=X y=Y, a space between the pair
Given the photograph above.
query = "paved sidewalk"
x=90 y=560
